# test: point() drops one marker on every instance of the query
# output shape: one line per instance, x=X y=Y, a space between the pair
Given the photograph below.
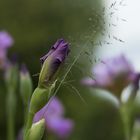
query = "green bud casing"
x=40 y=97
x=36 y=131
x=26 y=87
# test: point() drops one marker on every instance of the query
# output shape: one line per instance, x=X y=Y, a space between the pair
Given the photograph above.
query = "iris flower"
x=112 y=74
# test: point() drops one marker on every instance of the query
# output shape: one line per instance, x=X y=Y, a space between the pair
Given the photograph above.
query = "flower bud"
x=40 y=97
x=52 y=61
x=26 y=86
x=37 y=130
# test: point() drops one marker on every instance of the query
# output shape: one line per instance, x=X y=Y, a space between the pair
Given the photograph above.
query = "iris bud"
x=26 y=86
x=52 y=61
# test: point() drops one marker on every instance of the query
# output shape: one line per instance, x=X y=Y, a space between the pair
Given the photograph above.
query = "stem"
x=10 y=128
x=25 y=114
x=136 y=130
x=11 y=104
x=28 y=124
x=126 y=118
x=25 y=118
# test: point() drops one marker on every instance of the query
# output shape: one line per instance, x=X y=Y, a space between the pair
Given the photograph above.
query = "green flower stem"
x=125 y=110
x=25 y=114
x=10 y=108
x=10 y=128
x=28 y=124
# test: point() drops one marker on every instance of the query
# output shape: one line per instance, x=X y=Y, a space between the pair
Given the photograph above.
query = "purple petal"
x=54 y=108
x=111 y=71
x=6 y=40
x=60 y=47
x=60 y=127
x=53 y=60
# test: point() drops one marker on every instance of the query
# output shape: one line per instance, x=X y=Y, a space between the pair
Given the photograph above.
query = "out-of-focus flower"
x=55 y=122
x=52 y=60
x=25 y=85
x=6 y=41
x=112 y=74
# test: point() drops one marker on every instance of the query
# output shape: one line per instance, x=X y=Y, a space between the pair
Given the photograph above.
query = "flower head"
x=111 y=74
x=55 y=122
x=6 y=41
x=52 y=60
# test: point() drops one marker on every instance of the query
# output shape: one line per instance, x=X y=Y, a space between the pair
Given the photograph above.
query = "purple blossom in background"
x=55 y=122
x=112 y=74
x=53 y=59
x=6 y=41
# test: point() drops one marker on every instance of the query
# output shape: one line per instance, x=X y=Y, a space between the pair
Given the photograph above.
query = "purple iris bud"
x=59 y=51
x=52 y=60
x=112 y=74
x=55 y=121
x=6 y=41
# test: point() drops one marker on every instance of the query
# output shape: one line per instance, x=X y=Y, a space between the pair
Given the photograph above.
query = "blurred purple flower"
x=53 y=59
x=6 y=41
x=112 y=74
x=55 y=122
